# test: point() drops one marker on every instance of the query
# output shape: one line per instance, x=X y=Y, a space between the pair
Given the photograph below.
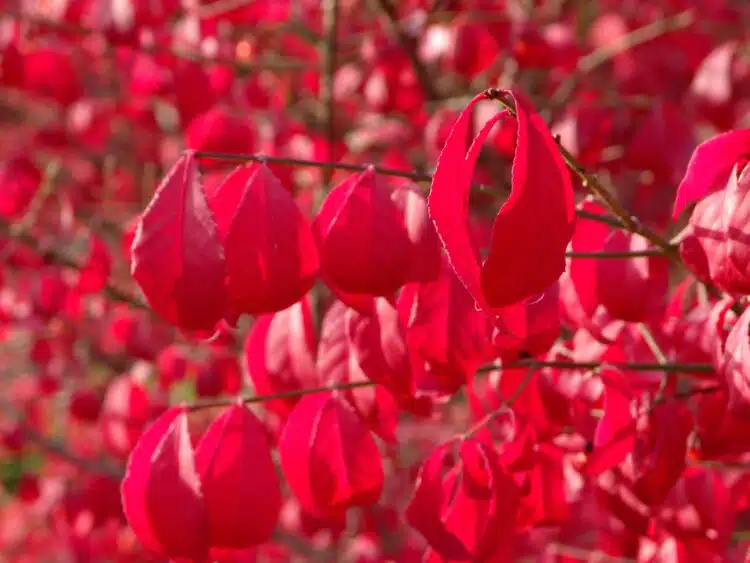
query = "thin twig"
x=413 y=176
x=616 y=255
x=218 y=403
x=625 y=366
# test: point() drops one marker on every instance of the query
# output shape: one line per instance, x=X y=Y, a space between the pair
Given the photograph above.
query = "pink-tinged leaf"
x=713 y=87
x=125 y=413
x=94 y=275
x=735 y=365
x=336 y=364
x=378 y=342
x=270 y=253
x=615 y=433
x=710 y=167
x=329 y=458
x=280 y=354
x=177 y=259
x=240 y=485
x=634 y=289
x=737 y=204
x=527 y=250
x=716 y=245
x=427 y=251
x=445 y=329
x=362 y=238
x=703 y=247
x=161 y=492
x=699 y=508
x=712 y=83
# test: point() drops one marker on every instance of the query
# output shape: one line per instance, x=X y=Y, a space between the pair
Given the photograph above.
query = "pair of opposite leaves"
x=226 y=495
x=248 y=249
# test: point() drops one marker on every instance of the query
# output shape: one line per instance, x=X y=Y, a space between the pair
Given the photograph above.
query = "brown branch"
x=616 y=255
x=218 y=403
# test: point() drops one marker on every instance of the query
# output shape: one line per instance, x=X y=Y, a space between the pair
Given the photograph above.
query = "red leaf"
x=329 y=458
x=219 y=130
x=710 y=166
x=93 y=276
x=424 y=510
x=445 y=329
x=177 y=258
x=735 y=365
x=460 y=514
x=271 y=257
x=161 y=493
x=243 y=505
x=589 y=236
x=280 y=354
x=529 y=328
x=20 y=179
x=716 y=245
x=426 y=252
x=336 y=363
x=659 y=450
x=632 y=289
x=50 y=73
x=527 y=248
x=378 y=342
x=364 y=244
x=615 y=433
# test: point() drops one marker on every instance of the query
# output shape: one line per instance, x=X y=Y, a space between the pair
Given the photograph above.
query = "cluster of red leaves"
x=490 y=371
